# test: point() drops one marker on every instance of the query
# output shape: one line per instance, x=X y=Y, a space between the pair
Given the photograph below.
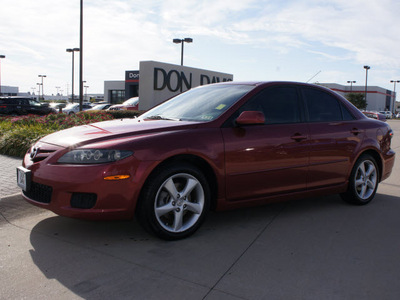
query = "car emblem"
x=34 y=152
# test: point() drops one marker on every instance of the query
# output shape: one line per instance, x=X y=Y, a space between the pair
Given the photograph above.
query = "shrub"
x=17 y=140
x=17 y=134
x=122 y=114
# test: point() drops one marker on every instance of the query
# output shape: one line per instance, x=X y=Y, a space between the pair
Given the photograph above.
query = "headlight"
x=93 y=156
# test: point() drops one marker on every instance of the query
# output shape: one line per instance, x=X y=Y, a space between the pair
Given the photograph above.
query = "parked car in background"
x=73 y=108
x=398 y=116
x=219 y=146
x=130 y=104
x=100 y=106
x=57 y=105
x=375 y=115
x=23 y=106
x=387 y=114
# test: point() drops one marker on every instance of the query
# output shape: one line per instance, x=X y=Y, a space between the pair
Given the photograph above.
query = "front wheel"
x=174 y=202
x=363 y=181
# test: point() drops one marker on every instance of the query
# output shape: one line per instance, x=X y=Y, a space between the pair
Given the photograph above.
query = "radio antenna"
x=313 y=76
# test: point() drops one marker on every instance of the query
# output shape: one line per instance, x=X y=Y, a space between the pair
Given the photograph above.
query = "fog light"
x=83 y=200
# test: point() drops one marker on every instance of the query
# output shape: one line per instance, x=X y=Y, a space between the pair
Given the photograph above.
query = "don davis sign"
x=161 y=81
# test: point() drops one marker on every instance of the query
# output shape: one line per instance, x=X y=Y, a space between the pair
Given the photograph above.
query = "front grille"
x=83 y=200
x=39 y=192
x=40 y=154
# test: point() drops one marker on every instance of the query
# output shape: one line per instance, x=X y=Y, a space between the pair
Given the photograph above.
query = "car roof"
x=17 y=97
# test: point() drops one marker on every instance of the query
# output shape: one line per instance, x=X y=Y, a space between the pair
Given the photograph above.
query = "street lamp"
x=72 y=50
x=1 y=56
x=351 y=84
x=394 y=90
x=42 y=76
x=57 y=87
x=81 y=56
x=366 y=80
x=86 y=87
x=182 y=41
x=39 y=84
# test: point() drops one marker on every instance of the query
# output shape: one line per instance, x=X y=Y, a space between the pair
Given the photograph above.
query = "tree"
x=358 y=100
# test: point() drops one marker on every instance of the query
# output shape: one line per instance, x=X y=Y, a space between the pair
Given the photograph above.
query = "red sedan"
x=220 y=146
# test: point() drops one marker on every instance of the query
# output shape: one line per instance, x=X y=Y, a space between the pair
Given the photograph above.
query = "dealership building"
x=378 y=99
x=156 y=82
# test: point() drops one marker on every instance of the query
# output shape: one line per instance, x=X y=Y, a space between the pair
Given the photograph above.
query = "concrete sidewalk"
x=8 y=175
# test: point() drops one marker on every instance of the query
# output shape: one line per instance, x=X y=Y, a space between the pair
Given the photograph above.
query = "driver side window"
x=280 y=105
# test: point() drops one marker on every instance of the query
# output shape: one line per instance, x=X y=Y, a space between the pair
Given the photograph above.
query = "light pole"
x=394 y=90
x=366 y=80
x=39 y=84
x=1 y=56
x=33 y=90
x=42 y=76
x=182 y=41
x=57 y=87
x=72 y=50
x=351 y=84
x=81 y=57
x=86 y=87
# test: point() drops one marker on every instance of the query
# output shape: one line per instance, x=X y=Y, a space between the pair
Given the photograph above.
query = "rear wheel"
x=363 y=181
x=174 y=202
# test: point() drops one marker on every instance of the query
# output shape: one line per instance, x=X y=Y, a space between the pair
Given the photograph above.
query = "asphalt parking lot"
x=315 y=248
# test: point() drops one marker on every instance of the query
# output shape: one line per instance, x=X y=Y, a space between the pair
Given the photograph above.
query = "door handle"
x=298 y=137
x=355 y=131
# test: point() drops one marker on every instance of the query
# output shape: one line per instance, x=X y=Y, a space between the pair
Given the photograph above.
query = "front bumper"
x=80 y=191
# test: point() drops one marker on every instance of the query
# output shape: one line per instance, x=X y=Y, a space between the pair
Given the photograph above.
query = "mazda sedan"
x=220 y=146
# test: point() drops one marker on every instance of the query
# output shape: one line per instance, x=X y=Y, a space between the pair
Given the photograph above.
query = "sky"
x=300 y=40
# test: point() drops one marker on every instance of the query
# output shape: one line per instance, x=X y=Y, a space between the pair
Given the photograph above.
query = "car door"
x=334 y=138
x=268 y=159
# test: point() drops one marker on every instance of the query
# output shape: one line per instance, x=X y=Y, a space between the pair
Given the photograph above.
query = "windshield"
x=132 y=101
x=200 y=104
x=71 y=105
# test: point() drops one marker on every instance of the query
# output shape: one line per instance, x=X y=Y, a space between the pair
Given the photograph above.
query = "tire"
x=363 y=181
x=174 y=202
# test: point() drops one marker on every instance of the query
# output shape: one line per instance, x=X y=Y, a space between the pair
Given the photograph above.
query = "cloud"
x=118 y=34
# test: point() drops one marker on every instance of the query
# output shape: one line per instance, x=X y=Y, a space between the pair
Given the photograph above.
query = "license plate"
x=24 y=178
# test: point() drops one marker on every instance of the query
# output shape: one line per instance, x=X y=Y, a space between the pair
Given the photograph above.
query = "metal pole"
x=394 y=93
x=81 y=58
x=1 y=56
x=42 y=86
x=72 y=96
x=38 y=84
x=182 y=53
x=366 y=80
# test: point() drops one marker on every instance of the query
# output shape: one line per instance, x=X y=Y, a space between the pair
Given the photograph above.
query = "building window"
x=117 y=96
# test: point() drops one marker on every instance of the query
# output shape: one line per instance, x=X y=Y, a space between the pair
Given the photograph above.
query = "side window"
x=280 y=105
x=347 y=116
x=33 y=103
x=321 y=106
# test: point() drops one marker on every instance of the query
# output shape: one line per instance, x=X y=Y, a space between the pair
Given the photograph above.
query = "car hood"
x=97 y=132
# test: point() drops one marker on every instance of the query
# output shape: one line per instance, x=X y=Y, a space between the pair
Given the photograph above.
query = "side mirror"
x=251 y=118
